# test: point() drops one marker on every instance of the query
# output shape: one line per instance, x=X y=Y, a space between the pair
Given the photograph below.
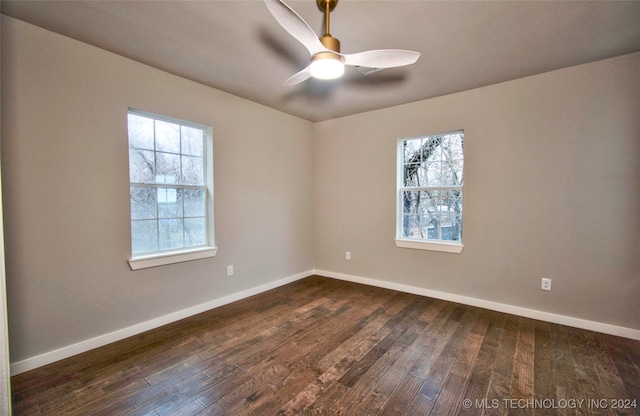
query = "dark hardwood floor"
x=322 y=346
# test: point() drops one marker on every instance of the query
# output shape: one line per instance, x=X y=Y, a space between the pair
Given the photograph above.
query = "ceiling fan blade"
x=295 y=25
x=301 y=76
x=382 y=58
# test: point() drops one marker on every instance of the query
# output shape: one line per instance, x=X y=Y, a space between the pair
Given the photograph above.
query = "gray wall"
x=551 y=189
x=552 y=180
x=5 y=389
x=66 y=191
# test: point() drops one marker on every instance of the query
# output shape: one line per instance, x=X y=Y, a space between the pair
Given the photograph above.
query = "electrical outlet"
x=546 y=284
x=230 y=270
x=347 y=255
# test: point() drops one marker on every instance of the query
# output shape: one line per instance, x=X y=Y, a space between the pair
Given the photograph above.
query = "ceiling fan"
x=326 y=60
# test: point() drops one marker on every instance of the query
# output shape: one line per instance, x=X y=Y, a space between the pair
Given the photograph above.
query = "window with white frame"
x=171 y=177
x=430 y=180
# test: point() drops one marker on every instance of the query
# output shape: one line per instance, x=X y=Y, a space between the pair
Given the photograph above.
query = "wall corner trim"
x=101 y=340
x=494 y=306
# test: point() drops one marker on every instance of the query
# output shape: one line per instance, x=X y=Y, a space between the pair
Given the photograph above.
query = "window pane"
x=167 y=168
x=192 y=141
x=410 y=226
x=456 y=142
x=419 y=226
x=429 y=202
x=192 y=170
x=194 y=203
x=432 y=174
x=432 y=214
x=457 y=169
x=452 y=147
x=451 y=173
x=170 y=233
x=140 y=132
x=429 y=225
x=450 y=227
x=451 y=202
x=434 y=149
x=144 y=236
x=195 y=231
x=141 y=166
x=410 y=173
x=436 y=161
x=167 y=137
x=410 y=201
x=169 y=203
x=412 y=151
x=143 y=203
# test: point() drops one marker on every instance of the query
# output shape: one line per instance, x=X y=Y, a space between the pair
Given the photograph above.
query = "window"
x=430 y=178
x=170 y=175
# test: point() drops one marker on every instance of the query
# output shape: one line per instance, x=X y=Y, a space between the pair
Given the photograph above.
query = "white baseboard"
x=83 y=346
x=494 y=306
x=99 y=341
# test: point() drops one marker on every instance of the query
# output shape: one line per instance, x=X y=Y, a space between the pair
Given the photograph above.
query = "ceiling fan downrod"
x=327 y=40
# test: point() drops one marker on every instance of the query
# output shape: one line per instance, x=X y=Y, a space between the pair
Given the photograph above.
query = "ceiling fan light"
x=327 y=66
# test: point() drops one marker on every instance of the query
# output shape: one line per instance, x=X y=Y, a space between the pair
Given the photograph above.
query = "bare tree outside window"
x=431 y=174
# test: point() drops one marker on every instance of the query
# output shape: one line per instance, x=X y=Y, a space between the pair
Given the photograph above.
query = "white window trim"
x=429 y=245
x=162 y=258
x=432 y=245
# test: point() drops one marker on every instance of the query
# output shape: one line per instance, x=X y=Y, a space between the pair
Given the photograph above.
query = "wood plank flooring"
x=326 y=347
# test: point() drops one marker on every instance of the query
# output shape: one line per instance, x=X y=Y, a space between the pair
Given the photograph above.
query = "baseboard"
x=494 y=306
x=71 y=350
x=99 y=341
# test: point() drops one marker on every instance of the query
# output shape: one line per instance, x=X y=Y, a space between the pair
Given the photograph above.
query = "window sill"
x=455 y=248
x=154 y=260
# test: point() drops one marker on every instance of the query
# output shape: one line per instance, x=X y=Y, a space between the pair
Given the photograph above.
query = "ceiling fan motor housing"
x=330 y=43
x=329 y=64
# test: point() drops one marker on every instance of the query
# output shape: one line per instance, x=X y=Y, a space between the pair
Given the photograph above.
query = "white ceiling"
x=238 y=47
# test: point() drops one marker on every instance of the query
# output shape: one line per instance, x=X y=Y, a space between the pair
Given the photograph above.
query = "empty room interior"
x=194 y=222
